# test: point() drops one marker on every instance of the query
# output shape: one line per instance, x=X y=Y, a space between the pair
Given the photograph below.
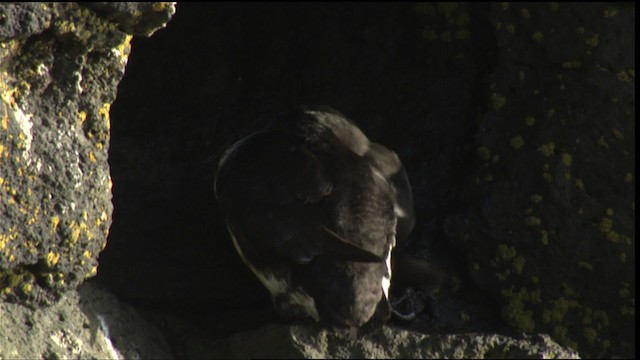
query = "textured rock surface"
x=550 y=221
x=60 y=64
x=280 y=341
x=89 y=323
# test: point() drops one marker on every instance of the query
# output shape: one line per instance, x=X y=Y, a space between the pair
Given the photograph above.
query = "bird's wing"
x=272 y=192
x=389 y=166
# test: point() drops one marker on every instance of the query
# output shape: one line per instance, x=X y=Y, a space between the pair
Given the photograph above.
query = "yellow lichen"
x=537 y=36
x=560 y=308
x=622 y=257
x=573 y=64
x=580 y=184
x=623 y=76
x=568 y=291
x=92 y=158
x=613 y=236
x=602 y=142
x=463 y=34
x=627 y=310
x=26 y=288
x=55 y=220
x=502 y=276
x=505 y=252
x=605 y=224
x=517 y=142
x=550 y=113
x=624 y=292
x=585 y=265
x=567 y=159
x=516 y=310
x=52 y=258
x=518 y=264
x=590 y=334
x=464 y=316
x=530 y=121
x=532 y=221
x=628 y=177
x=484 y=153
x=547 y=149
x=535 y=296
x=511 y=28
x=525 y=13
x=617 y=134
x=592 y=41
x=498 y=101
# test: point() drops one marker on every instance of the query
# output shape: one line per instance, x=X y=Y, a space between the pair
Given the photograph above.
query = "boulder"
x=60 y=64
x=87 y=323
x=297 y=341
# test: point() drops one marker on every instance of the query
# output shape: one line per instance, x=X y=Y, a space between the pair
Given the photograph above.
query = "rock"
x=83 y=324
x=281 y=341
x=60 y=64
x=549 y=224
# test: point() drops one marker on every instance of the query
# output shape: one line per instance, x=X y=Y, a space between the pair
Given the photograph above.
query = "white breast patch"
x=278 y=286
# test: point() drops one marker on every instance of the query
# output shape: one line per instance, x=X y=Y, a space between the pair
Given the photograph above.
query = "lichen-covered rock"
x=279 y=341
x=551 y=230
x=60 y=64
x=89 y=323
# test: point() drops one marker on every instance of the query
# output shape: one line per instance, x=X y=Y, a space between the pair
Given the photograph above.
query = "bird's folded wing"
x=287 y=219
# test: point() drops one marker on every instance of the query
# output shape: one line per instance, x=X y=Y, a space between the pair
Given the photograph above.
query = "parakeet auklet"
x=314 y=209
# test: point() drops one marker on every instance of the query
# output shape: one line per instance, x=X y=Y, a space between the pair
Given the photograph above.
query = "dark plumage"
x=314 y=209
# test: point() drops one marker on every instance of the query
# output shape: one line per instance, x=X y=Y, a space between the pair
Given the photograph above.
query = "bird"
x=315 y=209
